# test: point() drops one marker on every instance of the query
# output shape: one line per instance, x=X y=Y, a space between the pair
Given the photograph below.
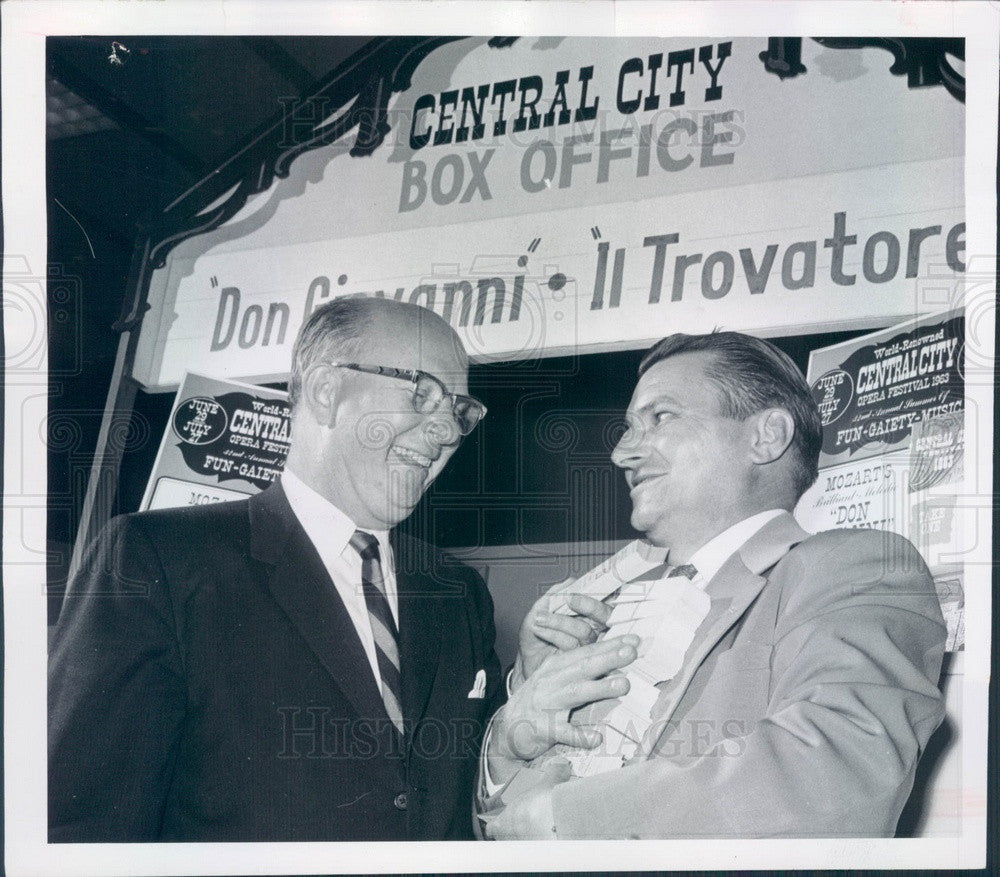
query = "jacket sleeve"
x=853 y=698
x=116 y=694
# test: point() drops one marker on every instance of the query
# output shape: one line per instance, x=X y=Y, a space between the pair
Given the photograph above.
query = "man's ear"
x=772 y=431
x=321 y=393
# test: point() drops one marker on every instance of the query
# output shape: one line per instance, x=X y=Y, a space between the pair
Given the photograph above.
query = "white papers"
x=634 y=560
x=665 y=615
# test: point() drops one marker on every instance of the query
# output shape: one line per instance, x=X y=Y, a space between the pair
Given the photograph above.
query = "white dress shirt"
x=330 y=531
x=708 y=559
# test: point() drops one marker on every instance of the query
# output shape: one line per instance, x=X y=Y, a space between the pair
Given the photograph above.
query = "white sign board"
x=573 y=195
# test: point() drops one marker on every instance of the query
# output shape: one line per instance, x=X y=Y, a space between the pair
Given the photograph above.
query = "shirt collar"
x=326 y=525
x=708 y=559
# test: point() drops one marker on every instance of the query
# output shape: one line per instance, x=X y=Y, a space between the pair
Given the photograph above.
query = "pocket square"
x=479 y=686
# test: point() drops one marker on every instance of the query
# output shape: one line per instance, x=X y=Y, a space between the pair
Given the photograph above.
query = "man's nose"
x=440 y=426
x=628 y=450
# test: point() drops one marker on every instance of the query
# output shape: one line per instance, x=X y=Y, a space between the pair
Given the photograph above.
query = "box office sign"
x=224 y=441
x=576 y=195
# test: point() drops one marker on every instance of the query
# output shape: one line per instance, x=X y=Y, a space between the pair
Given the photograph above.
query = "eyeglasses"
x=428 y=394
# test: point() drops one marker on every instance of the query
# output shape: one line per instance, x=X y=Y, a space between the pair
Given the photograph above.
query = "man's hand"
x=529 y=818
x=537 y=715
x=545 y=632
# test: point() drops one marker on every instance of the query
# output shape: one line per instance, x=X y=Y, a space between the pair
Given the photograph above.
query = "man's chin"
x=649 y=526
x=393 y=514
x=402 y=506
x=409 y=483
x=641 y=519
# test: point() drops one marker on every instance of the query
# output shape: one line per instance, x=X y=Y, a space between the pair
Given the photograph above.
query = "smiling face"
x=373 y=454
x=688 y=467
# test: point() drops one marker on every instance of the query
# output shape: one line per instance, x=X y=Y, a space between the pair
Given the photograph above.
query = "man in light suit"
x=807 y=687
x=288 y=668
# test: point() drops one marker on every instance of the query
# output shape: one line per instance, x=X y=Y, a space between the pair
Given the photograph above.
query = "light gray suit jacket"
x=803 y=705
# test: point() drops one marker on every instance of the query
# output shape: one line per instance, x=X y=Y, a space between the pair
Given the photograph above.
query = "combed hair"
x=751 y=375
x=332 y=332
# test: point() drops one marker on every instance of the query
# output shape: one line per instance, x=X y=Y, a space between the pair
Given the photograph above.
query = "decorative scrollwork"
x=557 y=431
x=375 y=431
x=922 y=60
x=129 y=433
x=783 y=57
x=62 y=432
x=614 y=431
x=360 y=89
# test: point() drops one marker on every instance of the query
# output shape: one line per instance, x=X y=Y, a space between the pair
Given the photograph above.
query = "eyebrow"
x=658 y=400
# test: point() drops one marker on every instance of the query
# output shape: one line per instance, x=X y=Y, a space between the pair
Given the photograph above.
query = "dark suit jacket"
x=207 y=684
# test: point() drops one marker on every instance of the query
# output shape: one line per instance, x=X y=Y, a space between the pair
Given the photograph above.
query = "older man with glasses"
x=287 y=667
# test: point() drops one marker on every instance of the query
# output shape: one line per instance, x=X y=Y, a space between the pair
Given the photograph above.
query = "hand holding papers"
x=545 y=631
x=564 y=707
x=572 y=614
x=536 y=717
x=663 y=614
x=635 y=559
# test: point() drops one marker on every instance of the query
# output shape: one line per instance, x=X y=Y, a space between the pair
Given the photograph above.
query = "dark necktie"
x=684 y=569
x=383 y=626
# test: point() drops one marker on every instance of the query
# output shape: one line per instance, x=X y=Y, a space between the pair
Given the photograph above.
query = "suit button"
x=400 y=801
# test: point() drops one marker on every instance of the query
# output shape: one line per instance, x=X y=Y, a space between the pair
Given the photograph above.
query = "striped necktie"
x=383 y=626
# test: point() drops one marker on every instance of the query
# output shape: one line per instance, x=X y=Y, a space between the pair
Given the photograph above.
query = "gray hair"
x=334 y=331
x=751 y=375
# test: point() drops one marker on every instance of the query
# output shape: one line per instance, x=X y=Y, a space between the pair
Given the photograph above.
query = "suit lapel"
x=741 y=587
x=732 y=589
x=300 y=584
x=420 y=623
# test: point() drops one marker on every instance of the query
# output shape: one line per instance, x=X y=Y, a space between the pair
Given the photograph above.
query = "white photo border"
x=25 y=26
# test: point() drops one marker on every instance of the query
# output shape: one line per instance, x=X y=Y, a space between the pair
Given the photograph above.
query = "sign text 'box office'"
x=616 y=194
